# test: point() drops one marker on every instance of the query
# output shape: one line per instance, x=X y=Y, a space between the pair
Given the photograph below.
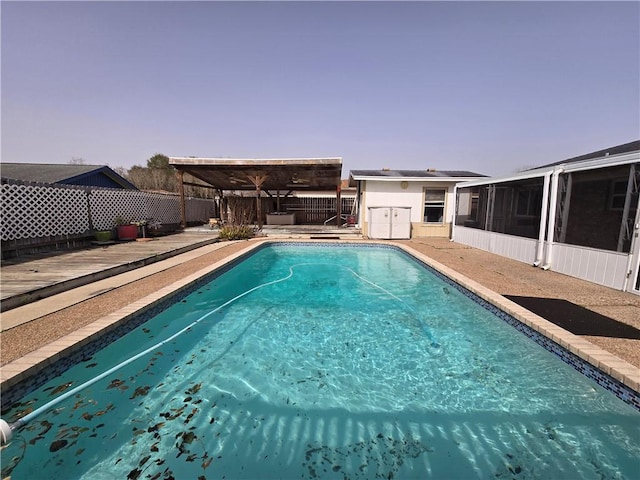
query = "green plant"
x=103 y=235
x=235 y=232
x=120 y=221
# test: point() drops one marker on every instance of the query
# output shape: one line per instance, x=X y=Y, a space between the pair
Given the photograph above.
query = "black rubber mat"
x=576 y=319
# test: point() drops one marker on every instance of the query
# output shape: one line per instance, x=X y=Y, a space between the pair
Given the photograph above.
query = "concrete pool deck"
x=39 y=333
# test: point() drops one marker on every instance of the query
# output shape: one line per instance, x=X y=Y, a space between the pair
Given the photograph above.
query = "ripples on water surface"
x=359 y=364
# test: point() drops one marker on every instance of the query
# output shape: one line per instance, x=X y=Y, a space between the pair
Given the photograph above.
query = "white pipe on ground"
x=6 y=432
x=6 y=429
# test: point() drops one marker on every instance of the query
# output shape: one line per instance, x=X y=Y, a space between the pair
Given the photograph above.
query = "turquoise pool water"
x=349 y=362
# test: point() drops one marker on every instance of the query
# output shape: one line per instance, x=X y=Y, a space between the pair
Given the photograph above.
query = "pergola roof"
x=268 y=174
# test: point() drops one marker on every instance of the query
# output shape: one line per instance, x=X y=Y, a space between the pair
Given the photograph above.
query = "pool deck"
x=109 y=284
x=33 y=277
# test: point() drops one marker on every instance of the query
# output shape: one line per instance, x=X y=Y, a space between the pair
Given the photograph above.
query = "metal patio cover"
x=266 y=174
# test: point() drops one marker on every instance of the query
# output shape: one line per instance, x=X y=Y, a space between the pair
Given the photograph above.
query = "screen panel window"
x=434 y=205
x=618 y=194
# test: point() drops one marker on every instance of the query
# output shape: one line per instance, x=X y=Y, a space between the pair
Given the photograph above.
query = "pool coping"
x=15 y=372
x=614 y=366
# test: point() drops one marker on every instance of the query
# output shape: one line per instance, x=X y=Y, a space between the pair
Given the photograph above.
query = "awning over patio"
x=269 y=174
x=263 y=174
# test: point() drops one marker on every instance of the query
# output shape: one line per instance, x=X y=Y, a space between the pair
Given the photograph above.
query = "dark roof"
x=68 y=174
x=617 y=150
x=415 y=173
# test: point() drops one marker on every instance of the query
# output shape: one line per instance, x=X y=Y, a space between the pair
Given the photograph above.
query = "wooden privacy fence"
x=308 y=210
x=37 y=215
x=316 y=210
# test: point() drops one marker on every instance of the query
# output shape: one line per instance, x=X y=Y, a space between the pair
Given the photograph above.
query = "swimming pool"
x=327 y=362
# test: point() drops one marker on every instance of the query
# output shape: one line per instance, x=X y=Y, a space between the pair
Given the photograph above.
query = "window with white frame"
x=434 y=205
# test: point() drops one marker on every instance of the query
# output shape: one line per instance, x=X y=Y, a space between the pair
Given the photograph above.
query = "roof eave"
x=254 y=161
x=107 y=172
x=410 y=179
x=602 y=162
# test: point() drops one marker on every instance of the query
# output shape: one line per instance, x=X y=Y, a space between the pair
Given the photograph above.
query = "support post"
x=564 y=203
x=625 y=228
x=456 y=204
x=491 y=198
x=224 y=209
x=259 y=205
x=183 y=210
x=258 y=180
x=338 y=206
x=543 y=219
x=553 y=203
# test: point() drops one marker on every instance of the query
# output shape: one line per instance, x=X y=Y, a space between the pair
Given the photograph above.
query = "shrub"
x=235 y=232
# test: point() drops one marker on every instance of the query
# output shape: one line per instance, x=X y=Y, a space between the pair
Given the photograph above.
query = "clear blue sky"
x=490 y=87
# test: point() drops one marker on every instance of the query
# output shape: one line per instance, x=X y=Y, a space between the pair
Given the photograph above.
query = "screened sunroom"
x=578 y=217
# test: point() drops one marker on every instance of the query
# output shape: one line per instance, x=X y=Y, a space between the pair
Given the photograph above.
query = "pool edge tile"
x=573 y=344
x=576 y=346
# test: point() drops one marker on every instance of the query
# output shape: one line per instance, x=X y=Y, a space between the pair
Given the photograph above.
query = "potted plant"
x=126 y=230
x=103 y=236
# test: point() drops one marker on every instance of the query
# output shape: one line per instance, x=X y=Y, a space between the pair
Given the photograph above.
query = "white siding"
x=390 y=194
x=510 y=246
x=597 y=266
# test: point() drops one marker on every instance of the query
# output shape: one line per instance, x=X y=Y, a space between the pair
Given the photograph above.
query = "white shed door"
x=379 y=222
x=401 y=223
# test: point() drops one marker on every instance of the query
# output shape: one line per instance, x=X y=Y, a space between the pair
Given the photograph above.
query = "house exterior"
x=424 y=198
x=578 y=216
x=66 y=174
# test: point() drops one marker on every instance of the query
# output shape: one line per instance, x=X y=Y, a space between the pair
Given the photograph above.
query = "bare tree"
x=159 y=175
x=123 y=172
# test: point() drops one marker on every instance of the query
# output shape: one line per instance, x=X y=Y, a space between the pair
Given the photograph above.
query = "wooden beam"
x=281 y=196
x=183 y=210
x=201 y=185
x=338 y=206
x=258 y=180
x=259 y=206
x=224 y=208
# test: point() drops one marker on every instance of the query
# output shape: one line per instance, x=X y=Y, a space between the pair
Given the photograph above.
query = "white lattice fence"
x=198 y=209
x=30 y=211
x=163 y=208
x=108 y=204
x=43 y=211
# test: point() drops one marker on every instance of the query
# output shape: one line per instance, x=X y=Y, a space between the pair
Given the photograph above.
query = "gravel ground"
x=502 y=275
